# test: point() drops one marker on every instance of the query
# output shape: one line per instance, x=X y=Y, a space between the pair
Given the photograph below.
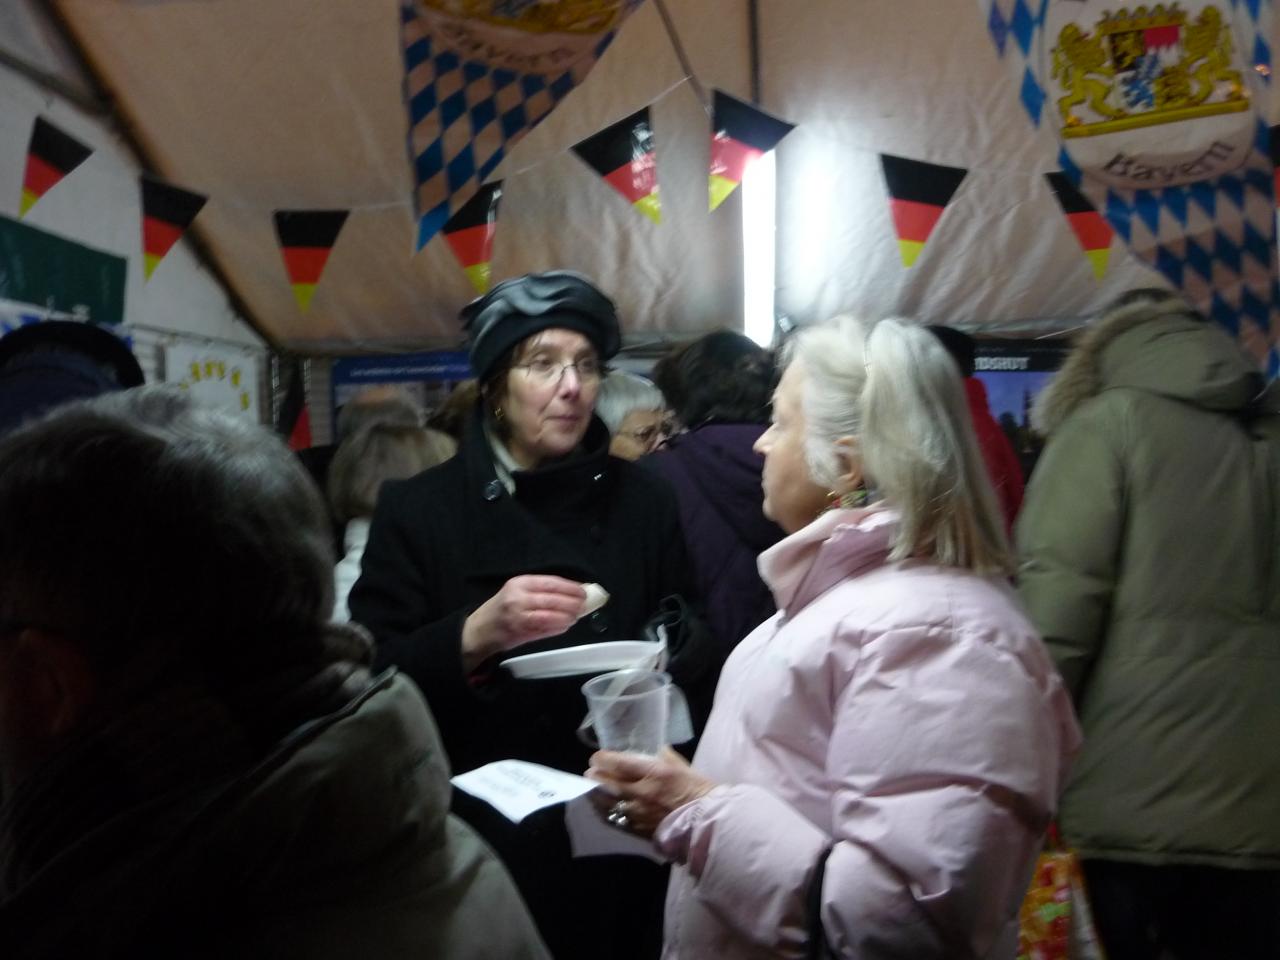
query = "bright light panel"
x=759 y=255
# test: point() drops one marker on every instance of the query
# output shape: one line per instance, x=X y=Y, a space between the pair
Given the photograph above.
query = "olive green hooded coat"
x=1150 y=549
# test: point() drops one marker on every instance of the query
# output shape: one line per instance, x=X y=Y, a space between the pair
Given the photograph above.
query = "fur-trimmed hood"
x=1160 y=347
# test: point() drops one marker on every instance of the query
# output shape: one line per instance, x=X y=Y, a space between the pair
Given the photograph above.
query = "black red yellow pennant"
x=469 y=233
x=167 y=211
x=623 y=153
x=1089 y=226
x=51 y=155
x=306 y=240
x=739 y=134
x=918 y=193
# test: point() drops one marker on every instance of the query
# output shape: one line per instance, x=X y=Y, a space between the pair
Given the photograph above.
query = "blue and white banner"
x=1160 y=111
x=479 y=74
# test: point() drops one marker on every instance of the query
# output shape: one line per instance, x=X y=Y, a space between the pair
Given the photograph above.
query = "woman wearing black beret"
x=485 y=557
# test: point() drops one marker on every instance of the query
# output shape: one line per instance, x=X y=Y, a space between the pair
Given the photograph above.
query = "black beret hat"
x=46 y=364
x=522 y=306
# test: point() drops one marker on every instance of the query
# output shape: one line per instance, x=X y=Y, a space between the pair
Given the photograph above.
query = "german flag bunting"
x=306 y=240
x=623 y=153
x=918 y=193
x=469 y=233
x=739 y=134
x=1089 y=226
x=51 y=155
x=167 y=211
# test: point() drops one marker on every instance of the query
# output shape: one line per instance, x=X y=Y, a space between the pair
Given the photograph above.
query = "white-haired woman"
x=635 y=413
x=885 y=752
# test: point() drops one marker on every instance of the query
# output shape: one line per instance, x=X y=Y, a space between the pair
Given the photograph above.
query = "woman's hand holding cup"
x=527 y=608
x=647 y=788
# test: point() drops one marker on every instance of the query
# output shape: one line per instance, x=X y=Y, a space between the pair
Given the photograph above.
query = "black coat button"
x=598 y=623
x=493 y=490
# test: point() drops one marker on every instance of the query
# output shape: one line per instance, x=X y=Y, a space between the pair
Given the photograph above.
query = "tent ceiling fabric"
x=297 y=104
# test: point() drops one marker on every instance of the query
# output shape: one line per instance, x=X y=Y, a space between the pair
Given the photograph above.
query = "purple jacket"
x=716 y=476
x=905 y=715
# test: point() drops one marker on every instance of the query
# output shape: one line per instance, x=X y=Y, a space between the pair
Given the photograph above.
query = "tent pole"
x=699 y=90
x=759 y=219
x=54 y=84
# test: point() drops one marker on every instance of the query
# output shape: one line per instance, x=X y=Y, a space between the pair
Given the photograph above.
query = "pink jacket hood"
x=904 y=716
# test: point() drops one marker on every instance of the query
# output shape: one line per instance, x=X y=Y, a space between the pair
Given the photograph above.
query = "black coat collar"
x=548 y=524
x=585 y=471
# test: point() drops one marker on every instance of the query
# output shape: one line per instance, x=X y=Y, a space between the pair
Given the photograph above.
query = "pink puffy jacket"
x=903 y=714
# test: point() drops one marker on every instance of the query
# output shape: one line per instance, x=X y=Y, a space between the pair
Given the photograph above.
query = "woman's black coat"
x=444 y=542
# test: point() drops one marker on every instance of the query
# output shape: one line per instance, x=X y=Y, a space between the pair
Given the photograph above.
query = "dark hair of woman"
x=721 y=376
x=493 y=390
x=451 y=416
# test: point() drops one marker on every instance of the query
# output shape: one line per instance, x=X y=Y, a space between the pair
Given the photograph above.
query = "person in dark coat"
x=485 y=557
x=719 y=387
x=193 y=762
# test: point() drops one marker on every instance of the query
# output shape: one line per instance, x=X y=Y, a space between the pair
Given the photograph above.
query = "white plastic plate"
x=591 y=658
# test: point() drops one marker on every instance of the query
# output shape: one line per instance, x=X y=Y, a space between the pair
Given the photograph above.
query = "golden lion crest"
x=1143 y=68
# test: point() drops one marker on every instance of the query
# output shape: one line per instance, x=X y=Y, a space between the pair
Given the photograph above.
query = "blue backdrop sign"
x=427 y=377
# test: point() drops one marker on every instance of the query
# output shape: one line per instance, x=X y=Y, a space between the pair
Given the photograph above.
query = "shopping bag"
x=1044 y=919
x=1055 y=922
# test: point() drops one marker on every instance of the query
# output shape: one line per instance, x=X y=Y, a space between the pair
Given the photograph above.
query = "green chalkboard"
x=52 y=272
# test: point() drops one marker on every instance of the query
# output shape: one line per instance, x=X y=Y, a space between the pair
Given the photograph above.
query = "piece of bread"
x=597 y=597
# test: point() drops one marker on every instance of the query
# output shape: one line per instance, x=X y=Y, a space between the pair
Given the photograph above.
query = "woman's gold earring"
x=498 y=415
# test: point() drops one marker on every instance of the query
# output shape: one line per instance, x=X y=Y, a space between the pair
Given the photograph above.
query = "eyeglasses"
x=544 y=370
x=654 y=433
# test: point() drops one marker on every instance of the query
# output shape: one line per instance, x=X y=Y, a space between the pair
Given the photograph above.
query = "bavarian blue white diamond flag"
x=1161 y=113
x=479 y=74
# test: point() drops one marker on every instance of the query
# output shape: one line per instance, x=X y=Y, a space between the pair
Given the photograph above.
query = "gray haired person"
x=193 y=762
x=634 y=411
x=366 y=459
x=380 y=404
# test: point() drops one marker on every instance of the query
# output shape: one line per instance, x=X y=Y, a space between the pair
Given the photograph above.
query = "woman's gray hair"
x=375 y=454
x=153 y=530
x=383 y=404
x=894 y=389
x=622 y=393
